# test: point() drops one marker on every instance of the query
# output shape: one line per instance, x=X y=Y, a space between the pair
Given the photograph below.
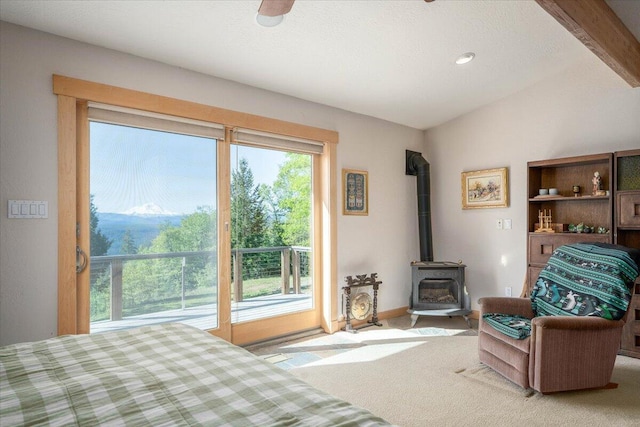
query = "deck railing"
x=290 y=268
x=288 y=263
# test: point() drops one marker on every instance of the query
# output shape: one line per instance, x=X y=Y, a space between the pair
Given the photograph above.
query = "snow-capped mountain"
x=148 y=209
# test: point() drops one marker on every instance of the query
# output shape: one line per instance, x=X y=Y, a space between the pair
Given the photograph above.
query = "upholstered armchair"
x=567 y=335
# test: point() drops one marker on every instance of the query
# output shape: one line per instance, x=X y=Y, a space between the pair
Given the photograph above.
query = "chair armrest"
x=580 y=323
x=506 y=305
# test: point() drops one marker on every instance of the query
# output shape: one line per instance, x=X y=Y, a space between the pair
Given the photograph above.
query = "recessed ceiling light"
x=269 y=21
x=465 y=57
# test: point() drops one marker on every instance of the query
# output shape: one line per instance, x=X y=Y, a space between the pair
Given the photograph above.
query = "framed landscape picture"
x=485 y=189
x=355 y=192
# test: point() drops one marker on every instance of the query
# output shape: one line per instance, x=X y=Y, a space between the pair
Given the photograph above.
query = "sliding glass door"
x=154 y=237
x=147 y=186
x=153 y=228
x=271 y=233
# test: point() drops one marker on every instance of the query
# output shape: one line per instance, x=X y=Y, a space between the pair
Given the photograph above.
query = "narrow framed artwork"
x=355 y=192
x=485 y=189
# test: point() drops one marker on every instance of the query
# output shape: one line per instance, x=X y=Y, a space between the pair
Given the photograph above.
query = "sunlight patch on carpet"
x=346 y=338
x=430 y=332
x=276 y=358
x=442 y=332
x=368 y=353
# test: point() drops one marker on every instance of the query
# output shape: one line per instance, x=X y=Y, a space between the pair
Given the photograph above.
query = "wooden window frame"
x=73 y=152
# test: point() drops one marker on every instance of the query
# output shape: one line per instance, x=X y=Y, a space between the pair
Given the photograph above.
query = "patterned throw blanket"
x=586 y=280
x=579 y=280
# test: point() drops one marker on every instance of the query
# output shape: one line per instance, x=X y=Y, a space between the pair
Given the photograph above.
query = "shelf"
x=568 y=198
x=571 y=161
x=533 y=233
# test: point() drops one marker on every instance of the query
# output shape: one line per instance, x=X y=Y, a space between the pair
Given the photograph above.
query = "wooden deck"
x=205 y=316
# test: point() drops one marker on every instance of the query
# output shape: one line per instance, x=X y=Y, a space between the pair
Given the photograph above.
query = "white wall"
x=585 y=110
x=382 y=242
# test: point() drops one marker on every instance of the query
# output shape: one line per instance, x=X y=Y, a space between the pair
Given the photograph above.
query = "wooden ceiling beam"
x=599 y=28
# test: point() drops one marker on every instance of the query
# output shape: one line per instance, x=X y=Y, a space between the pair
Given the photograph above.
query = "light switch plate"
x=28 y=209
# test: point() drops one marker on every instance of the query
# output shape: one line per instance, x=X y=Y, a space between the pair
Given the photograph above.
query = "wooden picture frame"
x=355 y=192
x=486 y=188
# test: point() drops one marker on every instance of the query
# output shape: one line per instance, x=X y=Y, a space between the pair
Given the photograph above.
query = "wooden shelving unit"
x=627 y=233
x=618 y=211
x=565 y=208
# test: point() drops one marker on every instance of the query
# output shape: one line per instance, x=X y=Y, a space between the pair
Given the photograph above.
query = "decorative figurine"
x=597 y=185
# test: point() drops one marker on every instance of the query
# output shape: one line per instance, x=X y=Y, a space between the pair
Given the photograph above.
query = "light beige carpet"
x=415 y=380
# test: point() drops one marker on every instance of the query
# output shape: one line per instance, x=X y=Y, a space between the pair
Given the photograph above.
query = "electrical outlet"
x=507 y=224
x=507 y=291
x=499 y=224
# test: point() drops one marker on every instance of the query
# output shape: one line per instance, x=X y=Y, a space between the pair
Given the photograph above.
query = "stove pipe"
x=417 y=165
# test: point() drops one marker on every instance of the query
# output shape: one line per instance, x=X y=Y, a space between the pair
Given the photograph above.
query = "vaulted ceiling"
x=393 y=59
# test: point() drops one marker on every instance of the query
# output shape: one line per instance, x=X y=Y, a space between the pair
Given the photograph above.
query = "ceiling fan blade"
x=275 y=7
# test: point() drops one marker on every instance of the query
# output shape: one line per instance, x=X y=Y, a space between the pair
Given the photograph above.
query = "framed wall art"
x=355 y=192
x=485 y=189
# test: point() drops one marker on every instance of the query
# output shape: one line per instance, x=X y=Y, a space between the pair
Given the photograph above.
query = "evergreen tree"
x=248 y=219
x=128 y=243
x=100 y=244
x=275 y=216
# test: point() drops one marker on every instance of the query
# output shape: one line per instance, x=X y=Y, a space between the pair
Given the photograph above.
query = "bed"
x=170 y=374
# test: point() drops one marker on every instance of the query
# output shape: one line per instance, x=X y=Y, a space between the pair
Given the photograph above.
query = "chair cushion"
x=584 y=279
x=516 y=327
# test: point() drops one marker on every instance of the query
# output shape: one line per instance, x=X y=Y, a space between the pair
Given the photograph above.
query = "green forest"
x=261 y=216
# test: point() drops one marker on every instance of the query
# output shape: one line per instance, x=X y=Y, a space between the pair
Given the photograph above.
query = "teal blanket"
x=586 y=280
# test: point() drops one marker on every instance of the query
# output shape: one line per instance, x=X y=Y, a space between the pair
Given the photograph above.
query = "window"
x=271 y=232
x=153 y=228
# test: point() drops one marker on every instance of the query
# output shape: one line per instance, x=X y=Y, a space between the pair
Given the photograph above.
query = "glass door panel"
x=271 y=233
x=153 y=228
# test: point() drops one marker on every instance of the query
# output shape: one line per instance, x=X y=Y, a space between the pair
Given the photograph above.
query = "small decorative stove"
x=438 y=290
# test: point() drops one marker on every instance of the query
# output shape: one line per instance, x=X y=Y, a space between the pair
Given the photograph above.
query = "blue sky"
x=131 y=167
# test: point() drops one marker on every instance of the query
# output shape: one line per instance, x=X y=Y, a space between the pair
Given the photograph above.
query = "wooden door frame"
x=73 y=153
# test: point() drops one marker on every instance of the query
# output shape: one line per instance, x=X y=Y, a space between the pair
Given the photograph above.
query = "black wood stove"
x=438 y=288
